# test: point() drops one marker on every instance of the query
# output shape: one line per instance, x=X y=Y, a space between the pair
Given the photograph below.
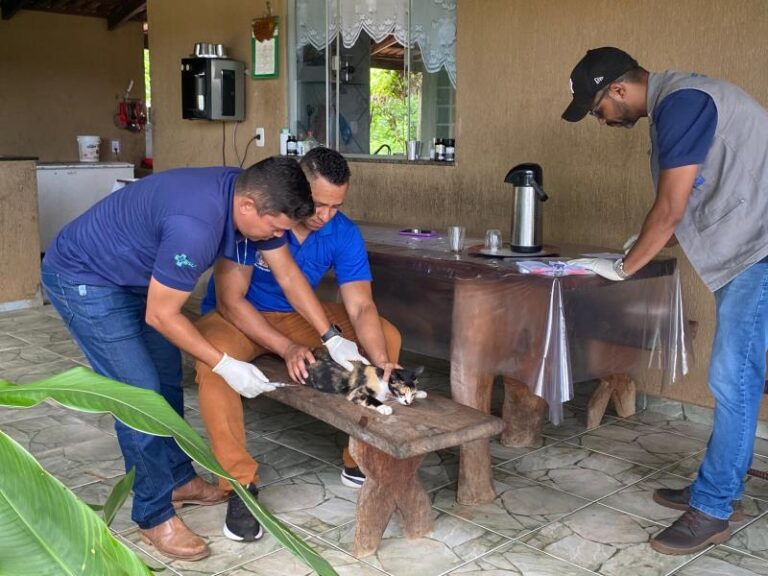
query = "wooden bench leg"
x=391 y=484
x=617 y=387
x=523 y=414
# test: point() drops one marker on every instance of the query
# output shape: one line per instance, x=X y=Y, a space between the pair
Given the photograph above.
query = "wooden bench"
x=388 y=449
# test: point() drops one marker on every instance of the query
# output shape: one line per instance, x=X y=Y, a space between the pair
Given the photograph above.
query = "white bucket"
x=89 y=148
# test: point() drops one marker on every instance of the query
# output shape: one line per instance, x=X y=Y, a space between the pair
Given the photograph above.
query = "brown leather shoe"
x=198 y=491
x=174 y=539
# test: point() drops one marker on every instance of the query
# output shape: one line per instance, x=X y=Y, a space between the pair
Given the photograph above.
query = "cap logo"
x=598 y=79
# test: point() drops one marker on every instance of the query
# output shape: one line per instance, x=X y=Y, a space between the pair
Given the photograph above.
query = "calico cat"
x=363 y=385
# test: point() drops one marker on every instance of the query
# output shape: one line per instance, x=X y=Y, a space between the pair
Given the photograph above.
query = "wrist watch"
x=618 y=267
x=334 y=330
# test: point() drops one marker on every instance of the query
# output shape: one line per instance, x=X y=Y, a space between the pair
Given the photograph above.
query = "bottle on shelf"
x=284 y=133
x=440 y=150
x=291 y=145
x=450 y=150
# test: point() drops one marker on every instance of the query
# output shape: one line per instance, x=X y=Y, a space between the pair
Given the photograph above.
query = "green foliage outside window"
x=389 y=109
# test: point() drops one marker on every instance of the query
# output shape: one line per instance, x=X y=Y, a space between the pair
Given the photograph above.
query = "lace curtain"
x=433 y=26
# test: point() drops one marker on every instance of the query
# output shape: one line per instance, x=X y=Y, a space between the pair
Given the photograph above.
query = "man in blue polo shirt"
x=709 y=162
x=248 y=315
x=119 y=276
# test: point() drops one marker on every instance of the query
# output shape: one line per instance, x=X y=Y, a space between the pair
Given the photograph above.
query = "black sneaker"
x=352 y=477
x=240 y=524
x=692 y=532
x=678 y=500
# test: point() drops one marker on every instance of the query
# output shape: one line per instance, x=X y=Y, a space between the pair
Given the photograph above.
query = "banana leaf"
x=118 y=496
x=146 y=411
x=46 y=530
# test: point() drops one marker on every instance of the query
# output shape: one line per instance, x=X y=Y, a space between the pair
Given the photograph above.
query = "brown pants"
x=222 y=407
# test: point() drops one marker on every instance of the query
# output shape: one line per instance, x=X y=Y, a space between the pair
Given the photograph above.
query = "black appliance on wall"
x=212 y=89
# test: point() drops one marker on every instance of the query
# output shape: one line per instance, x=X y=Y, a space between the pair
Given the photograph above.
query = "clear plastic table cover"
x=545 y=331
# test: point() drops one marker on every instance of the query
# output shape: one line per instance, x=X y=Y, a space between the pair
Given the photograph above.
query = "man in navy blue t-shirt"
x=709 y=162
x=248 y=315
x=119 y=275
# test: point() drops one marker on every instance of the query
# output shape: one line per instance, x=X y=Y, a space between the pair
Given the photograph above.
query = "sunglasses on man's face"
x=595 y=111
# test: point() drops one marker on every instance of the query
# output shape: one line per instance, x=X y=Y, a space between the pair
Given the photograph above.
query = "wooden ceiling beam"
x=10 y=7
x=124 y=12
x=385 y=44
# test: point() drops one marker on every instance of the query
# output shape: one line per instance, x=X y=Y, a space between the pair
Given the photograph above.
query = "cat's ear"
x=418 y=371
x=379 y=372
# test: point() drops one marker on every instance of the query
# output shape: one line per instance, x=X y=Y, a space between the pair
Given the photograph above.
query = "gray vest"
x=725 y=226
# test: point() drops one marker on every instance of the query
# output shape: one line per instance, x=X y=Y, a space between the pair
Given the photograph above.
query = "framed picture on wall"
x=265 y=48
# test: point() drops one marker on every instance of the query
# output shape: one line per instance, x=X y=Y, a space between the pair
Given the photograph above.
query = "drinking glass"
x=456 y=238
x=493 y=240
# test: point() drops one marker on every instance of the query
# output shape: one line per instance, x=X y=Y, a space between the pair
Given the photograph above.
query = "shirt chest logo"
x=182 y=260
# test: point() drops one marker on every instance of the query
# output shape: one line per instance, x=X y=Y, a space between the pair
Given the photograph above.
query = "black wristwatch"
x=332 y=331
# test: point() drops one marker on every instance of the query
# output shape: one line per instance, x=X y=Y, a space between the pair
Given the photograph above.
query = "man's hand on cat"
x=388 y=367
x=296 y=356
x=242 y=377
x=344 y=352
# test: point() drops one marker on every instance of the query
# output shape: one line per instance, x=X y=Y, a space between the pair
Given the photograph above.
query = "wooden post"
x=523 y=414
x=391 y=484
x=617 y=387
x=474 y=355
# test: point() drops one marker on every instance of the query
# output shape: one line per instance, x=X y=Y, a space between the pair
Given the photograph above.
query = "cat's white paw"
x=421 y=394
x=384 y=409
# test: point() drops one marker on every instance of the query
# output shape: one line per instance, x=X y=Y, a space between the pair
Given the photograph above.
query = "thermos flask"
x=526 y=235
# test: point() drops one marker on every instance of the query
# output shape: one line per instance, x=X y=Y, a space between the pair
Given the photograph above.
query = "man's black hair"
x=327 y=163
x=277 y=185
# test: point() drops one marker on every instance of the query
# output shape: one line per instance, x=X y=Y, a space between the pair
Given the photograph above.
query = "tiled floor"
x=581 y=504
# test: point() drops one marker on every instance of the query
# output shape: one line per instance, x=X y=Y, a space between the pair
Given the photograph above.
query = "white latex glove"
x=602 y=266
x=344 y=351
x=630 y=242
x=243 y=378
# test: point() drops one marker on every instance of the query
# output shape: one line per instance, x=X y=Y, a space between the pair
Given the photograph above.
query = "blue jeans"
x=737 y=379
x=107 y=322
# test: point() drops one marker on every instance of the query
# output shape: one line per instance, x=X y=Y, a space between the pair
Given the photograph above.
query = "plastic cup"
x=456 y=238
x=493 y=240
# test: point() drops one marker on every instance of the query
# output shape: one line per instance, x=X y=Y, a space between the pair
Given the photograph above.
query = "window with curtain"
x=366 y=76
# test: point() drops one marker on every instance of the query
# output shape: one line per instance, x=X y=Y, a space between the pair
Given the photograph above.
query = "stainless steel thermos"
x=527 y=180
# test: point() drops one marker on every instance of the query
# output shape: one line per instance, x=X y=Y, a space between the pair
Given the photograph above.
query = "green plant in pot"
x=46 y=529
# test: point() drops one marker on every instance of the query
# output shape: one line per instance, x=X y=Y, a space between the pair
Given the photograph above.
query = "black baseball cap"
x=595 y=71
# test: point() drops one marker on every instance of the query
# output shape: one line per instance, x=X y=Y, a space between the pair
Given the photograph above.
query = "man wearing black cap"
x=709 y=162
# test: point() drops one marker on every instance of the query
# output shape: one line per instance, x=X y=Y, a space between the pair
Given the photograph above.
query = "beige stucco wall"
x=60 y=77
x=514 y=58
x=175 y=26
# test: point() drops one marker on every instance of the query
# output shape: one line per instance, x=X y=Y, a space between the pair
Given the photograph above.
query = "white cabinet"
x=67 y=189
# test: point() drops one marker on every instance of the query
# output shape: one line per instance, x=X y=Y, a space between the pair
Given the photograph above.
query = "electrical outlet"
x=116 y=147
x=259 y=137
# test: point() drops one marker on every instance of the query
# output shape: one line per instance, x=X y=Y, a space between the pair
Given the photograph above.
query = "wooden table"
x=541 y=334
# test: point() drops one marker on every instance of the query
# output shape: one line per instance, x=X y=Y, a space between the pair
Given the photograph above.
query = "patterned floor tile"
x=724 y=561
x=315 y=502
x=284 y=563
x=605 y=541
x=34 y=372
x=58 y=429
x=638 y=500
x=8 y=342
x=451 y=543
x=578 y=471
x=317 y=439
x=752 y=539
x=519 y=560
x=753 y=486
x=207 y=521
x=678 y=424
x=26 y=357
x=519 y=507
x=639 y=443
